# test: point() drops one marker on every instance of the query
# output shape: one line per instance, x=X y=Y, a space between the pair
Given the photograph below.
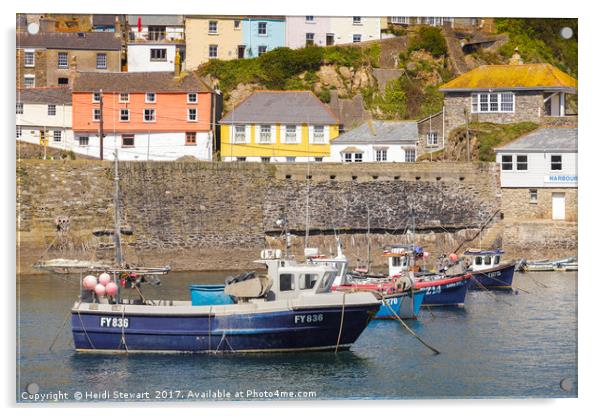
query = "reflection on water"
x=520 y=343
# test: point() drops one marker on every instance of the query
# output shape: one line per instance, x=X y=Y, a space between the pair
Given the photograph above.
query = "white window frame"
x=236 y=24
x=309 y=38
x=522 y=163
x=432 y=138
x=153 y=112
x=265 y=159
x=261 y=49
x=99 y=56
x=128 y=135
x=94 y=94
x=127 y=97
x=478 y=102
x=286 y=134
x=259 y=26
x=317 y=139
x=261 y=138
x=146 y=99
x=19 y=132
x=291 y=159
x=381 y=155
x=409 y=151
x=359 y=38
x=121 y=113
x=212 y=31
x=32 y=53
x=19 y=108
x=190 y=133
x=213 y=48
x=310 y=19
x=552 y=163
x=191 y=111
x=237 y=136
x=52 y=109
x=29 y=77
x=81 y=139
x=65 y=64
x=94 y=112
x=506 y=163
x=357 y=20
x=533 y=196
x=193 y=101
x=358 y=157
x=54 y=136
x=347 y=157
x=160 y=59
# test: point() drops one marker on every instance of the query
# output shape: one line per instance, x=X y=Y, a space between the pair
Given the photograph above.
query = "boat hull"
x=292 y=330
x=406 y=306
x=495 y=278
x=447 y=294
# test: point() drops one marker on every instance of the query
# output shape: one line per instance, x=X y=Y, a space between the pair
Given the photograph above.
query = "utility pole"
x=101 y=133
x=117 y=230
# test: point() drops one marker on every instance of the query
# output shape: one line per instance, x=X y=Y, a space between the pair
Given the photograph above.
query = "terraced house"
x=302 y=31
x=278 y=126
x=146 y=115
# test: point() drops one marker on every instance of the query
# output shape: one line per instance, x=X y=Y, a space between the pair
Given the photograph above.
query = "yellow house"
x=213 y=37
x=278 y=126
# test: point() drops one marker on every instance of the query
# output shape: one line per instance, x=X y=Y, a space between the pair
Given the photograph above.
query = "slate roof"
x=281 y=107
x=104 y=19
x=381 y=132
x=48 y=95
x=102 y=41
x=132 y=82
x=156 y=19
x=516 y=77
x=557 y=139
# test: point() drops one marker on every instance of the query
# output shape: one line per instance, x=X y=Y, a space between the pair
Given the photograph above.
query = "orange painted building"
x=147 y=116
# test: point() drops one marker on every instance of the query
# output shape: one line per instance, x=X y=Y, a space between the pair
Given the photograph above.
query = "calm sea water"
x=519 y=344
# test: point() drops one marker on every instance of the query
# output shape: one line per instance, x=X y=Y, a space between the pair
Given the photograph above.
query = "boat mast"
x=368 y=236
x=117 y=231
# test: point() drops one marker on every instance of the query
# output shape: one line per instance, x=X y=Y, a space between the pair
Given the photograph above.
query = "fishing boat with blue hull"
x=444 y=291
x=291 y=308
x=488 y=271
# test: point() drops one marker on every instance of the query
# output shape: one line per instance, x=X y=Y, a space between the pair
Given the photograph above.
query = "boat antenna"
x=117 y=232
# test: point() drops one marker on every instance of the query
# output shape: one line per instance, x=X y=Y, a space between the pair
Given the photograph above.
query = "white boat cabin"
x=339 y=262
x=484 y=259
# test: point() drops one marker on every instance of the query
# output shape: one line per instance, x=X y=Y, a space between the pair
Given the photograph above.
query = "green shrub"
x=429 y=39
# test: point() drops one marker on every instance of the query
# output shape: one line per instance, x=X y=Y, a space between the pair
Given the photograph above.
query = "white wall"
x=539 y=173
x=139 y=58
x=395 y=153
x=344 y=29
x=31 y=134
x=156 y=146
x=37 y=115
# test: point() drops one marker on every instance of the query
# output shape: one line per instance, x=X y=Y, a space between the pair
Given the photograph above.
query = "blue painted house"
x=263 y=34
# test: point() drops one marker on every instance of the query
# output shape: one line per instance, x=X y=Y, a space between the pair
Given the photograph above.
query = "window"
x=62 y=60
x=261 y=50
x=396 y=261
x=29 y=81
x=192 y=114
x=357 y=20
x=265 y=133
x=96 y=114
x=149 y=115
x=192 y=98
x=309 y=19
x=239 y=134
x=357 y=38
x=318 y=159
x=241 y=159
x=521 y=162
x=556 y=162
x=101 y=61
x=318 y=134
x=237 y=24
x=63 y=81
x=432 y=139
x=487 y=260
x=265 y=159
x=83 y=140
x=127 y=140
x=348 y=157
x=478 y=260
x=19 y=132
x=212 y=51
x=286 y=282
x=359 y=157
x=95 y=97
x=506 y=162
x=29 y=59
x=307 y=281
x=262 y=28
x=309 y=39
x=410 y=155
x=493 y=102
x=124 y=97
x=191 y=138
x=57 y=135
x=212 y=27
x=290 y=135
x=124 y=114
x=19 y=108
x=51 y=109
x=496 y=260
x=381 y=155
x=158 y=54
x=290 y=159
x=150 y=97
x=533 y=196
x=156 y=32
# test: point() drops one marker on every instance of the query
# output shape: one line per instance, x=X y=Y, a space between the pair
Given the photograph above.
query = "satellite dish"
x=33 y=28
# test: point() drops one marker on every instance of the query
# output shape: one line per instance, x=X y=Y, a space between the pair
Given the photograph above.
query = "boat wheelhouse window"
x=287 y=282
x=487 y=260
x=327 y=281
x=478 y=260
x=307 y=281
x=396 y=261
x=497 y=260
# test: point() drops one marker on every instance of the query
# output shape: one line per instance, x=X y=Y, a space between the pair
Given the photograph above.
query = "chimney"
x=72 y=70
x=516 y=59
x=47 y=25
x=177 y=64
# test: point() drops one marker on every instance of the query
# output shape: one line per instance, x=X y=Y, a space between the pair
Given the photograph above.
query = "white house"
x=44 y=117
x=151 y=57
x=377 y=141
x=538 y=173
x=155 y=28
x=326 y=31
x=153 y=41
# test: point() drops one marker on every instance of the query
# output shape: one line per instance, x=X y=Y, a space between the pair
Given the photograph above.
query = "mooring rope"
x=59 y=331
x=336 y=349
x=84 y=328
x=488 y=292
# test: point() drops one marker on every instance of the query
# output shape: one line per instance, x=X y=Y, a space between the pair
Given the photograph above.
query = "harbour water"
x=501 y=344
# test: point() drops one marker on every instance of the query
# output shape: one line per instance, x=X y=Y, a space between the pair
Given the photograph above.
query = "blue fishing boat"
x=442 y=290
x=488 y=271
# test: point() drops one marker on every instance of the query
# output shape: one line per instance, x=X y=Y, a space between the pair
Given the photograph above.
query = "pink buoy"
x=453 y=257
x=104 y=278
x=112 y=288
x=100 y=290
x=425 y=254
x=89 y=282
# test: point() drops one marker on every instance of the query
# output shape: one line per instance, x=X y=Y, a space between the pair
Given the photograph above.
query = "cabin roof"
x=475 y=252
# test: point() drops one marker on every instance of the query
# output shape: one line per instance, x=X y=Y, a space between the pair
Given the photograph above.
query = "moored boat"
x=488 y=272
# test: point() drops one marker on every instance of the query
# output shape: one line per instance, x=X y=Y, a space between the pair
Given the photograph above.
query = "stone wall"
x=516 y=203
x=528 y=107
x=39 y=70
x=432 y=123
x=540 y=239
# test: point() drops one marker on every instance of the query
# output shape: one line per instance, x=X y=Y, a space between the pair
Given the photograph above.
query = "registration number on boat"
x=106 y=322
x=309 y=318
